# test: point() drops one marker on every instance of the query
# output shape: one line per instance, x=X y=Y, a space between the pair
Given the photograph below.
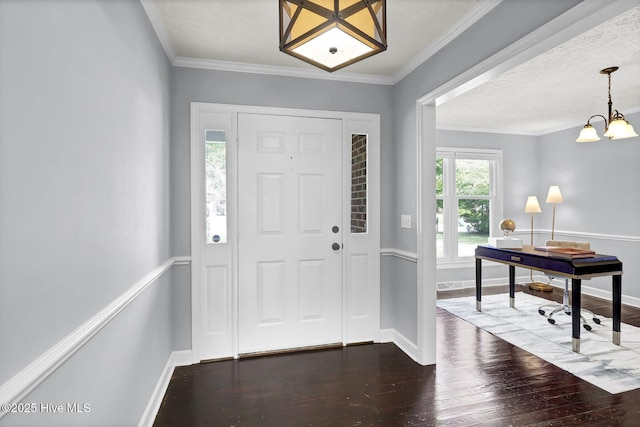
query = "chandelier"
x=332 y=34
x=615 y=125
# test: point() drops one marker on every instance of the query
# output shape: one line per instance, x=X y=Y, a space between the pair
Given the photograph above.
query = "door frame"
x=360 y=322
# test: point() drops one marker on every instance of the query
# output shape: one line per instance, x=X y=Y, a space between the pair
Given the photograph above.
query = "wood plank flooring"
x=478 y=380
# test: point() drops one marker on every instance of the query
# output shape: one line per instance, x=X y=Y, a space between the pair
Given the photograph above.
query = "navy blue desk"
x=575 y=269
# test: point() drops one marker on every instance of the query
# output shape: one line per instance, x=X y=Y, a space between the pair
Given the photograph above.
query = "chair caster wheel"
x=541 y=312
x=587 y=327
x=553 y=322
x=596 y=320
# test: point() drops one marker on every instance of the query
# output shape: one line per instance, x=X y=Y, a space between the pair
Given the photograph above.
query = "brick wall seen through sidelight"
x=358 y=183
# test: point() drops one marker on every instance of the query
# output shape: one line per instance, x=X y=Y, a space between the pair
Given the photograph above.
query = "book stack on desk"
x=562 y=252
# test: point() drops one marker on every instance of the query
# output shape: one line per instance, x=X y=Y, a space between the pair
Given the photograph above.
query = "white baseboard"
x=177 y=358
x=402 y=342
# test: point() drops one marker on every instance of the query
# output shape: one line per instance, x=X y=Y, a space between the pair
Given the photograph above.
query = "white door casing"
x=289 y=276
x=215 y=274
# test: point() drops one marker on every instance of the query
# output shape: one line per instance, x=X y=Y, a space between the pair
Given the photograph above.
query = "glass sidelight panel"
x=358 y=183
x=215 y=160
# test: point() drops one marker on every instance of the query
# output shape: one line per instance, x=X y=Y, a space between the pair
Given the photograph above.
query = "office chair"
x=566 y=306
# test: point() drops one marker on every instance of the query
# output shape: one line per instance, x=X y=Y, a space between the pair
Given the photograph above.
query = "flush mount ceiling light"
x=332 y=34
x=615 y=125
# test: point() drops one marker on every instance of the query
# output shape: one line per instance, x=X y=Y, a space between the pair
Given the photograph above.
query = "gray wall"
x=505 y=24
x=84 y=190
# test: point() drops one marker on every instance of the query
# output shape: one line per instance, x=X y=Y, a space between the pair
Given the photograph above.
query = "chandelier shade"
x=615 y=125
x=588 y=134
x=620 y=129
x=332 y=34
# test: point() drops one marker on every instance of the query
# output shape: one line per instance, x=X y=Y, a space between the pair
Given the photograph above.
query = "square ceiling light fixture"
x=332 y=34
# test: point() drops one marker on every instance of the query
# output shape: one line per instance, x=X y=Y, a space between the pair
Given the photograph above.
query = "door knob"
x=335 y=246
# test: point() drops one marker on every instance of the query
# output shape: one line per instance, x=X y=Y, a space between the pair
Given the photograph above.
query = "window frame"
x=450 y=198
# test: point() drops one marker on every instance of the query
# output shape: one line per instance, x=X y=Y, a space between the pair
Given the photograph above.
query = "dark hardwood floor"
x=478 y=380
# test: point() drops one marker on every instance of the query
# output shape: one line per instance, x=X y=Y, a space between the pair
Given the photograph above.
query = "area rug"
x=613 y=368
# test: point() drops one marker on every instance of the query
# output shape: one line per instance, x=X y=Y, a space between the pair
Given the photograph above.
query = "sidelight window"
x=215 y=159
x=358 y=183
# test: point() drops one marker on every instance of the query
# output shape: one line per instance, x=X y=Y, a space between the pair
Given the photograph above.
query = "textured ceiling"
x=558 y=89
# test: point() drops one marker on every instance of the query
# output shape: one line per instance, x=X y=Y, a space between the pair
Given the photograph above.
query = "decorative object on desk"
x=506 y=226
x=615 y=125
x=332 y=35
x=533 y=207
x=614 y=368
x=554 y=196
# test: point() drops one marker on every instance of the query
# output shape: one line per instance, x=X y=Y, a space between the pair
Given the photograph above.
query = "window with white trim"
x=468 y=201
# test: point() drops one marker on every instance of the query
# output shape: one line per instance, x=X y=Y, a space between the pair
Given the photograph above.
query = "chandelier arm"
x=606 y=123
x=617 y=115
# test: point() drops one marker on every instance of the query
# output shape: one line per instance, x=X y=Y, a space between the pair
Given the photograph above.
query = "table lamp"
x=532 y=207
x=554 y=196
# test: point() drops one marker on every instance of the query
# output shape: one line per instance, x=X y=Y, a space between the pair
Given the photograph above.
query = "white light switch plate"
x=405 y=221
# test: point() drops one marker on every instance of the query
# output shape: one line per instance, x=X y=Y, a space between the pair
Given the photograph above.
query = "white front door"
x=289 y=232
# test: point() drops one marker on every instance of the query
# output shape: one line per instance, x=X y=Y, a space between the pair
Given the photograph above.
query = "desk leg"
x=512 y=286
x=617 y=307
x=576 y=284
x=478 y=284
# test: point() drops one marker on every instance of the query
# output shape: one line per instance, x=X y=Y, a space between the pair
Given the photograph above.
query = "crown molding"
x=239 y=67
x=488 y=130
x=158 y=26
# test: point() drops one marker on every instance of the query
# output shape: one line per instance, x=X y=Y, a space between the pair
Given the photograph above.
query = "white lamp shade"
x=618 y=129
x=532 y=205
x=625 y=130
x=631 y=131
x=588 y=134
x=554 y=195
x=347 y=48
